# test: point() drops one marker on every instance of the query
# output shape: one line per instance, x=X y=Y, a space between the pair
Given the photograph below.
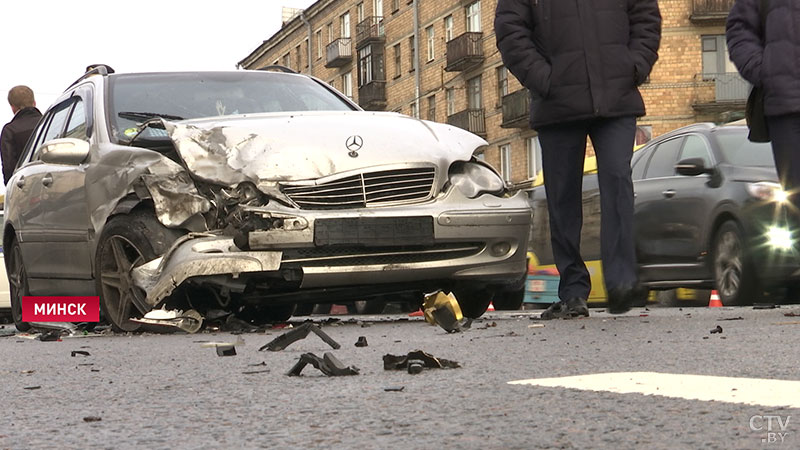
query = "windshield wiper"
x=133 y=115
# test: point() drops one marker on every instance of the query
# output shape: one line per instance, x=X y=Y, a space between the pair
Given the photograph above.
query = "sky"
x=47 y=45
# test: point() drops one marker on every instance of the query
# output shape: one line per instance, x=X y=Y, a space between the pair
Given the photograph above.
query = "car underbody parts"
x=362 y=341
x=416 y=361
x=189 y=321
x=296 y=334
x=443 y=310
x=328 y=364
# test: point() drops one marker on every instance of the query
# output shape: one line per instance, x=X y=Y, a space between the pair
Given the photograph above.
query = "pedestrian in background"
x=769 y=56
x=16 y=133
x=582 y=62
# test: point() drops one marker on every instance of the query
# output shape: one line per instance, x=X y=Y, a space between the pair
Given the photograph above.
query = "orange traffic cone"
x=491 y=307
x=714 y=301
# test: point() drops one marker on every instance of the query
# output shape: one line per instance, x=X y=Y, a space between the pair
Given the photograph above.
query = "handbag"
x=754 y=110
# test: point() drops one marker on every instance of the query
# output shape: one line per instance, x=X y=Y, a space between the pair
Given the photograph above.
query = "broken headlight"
x=474 y=178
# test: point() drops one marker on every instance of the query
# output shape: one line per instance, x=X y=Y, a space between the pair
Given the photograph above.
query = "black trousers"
x=784 y=131
x=563 y=153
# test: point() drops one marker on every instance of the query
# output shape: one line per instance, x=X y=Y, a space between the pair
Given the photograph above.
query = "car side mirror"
x=64 y=151
x=692 y=167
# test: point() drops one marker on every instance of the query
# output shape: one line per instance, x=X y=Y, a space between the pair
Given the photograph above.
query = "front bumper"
x=482 y=241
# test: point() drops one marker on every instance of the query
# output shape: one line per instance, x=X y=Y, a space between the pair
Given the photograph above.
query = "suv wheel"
x=18 y=283
x=473 y=302
x=734 y=274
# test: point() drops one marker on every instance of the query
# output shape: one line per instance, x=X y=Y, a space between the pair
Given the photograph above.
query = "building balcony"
x=369 y=30
x=516 y=109
x=472 y=120
x=339 y=53
x=720 y=93
x=710 y=12
x=465 y=52
x=372 y=96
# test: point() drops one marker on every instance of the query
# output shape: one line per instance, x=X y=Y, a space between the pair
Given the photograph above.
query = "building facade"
x=437 y=60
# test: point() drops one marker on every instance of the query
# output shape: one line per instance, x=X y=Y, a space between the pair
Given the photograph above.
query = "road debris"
x=32 y=388
x=792 y=314
x=764 y=306
x=226 y=350
x=328 y=364
x=50 y=336
x=296 y=334
x=717 y=330
x=189 y=321
x=415 y=361
x=79 y=352
x=362 y=341
x=541 y=325
x=733 y=318
x=252 y=372
x=443 y=310
x=92 y=419
x=394 y=388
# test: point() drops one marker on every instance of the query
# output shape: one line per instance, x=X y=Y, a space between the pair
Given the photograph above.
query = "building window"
x=415 y=110
x=411 y=53
x=395 y=6
x=430 y=38
x=377 y=7
x=502 y=84
x=306 y=49
x=318 y=37
x=347 y=84
x=297 y=56
x=365 y=65
x=505 y=161
x=448 y=28
x=450 y=98
x=397 y=61
x=534 y=151
x=715 y=56
x=432 y=108
x=360 y=12
x=473 y=11
x=344 y=25
x=474 y=98
x=286 y=60
x=329 y=27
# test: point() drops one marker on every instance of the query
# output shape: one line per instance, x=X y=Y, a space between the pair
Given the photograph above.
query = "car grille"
x=359 y=256
x=365 y=189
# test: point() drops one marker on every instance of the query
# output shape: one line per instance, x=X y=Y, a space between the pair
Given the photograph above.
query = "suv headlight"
x=767 y=191
x=473 y=179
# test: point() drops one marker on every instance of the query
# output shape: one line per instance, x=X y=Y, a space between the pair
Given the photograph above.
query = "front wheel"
x=509 y=300
x=734 y=274
x=473 y=302
x=18 y=284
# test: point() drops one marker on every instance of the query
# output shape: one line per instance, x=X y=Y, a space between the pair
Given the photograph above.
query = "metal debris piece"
x=362 y=341
x=443 y=310
x=189 y=321
x=69 y=327
x=394 y=388
x=92 y=419
x=32 y=388
x=733 y=318
x=251 y=372
x=296 y=334
x=79 y=352
x=328 y=364
x=50 y=336
x=400 y=362
x=717 y=330
x=226 y=350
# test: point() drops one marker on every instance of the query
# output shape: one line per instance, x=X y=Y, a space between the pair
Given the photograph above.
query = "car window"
x=695 y=147
x=736 y=149
x=640 y=163
x=55 y=125
x=662 y=163
x=76 y=128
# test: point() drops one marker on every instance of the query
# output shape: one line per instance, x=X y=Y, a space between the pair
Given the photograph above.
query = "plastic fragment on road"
x=414 y=362
x=328 y=364
x=296 y=334
x=443 y=310
x=394 y=388
x=189 y=321
x=50 y=336
x=92 y=419
x=717 y=330
x=226 y=350
x=79 y=352
x=362 y=341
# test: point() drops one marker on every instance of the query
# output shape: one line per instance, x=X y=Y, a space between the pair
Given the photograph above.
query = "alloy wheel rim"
x=728 y=264
x=119 y=258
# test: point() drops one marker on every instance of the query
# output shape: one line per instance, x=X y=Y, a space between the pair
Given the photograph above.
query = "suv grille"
x=365 y=189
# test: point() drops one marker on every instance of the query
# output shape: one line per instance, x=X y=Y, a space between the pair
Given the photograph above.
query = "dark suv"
x=709 y=213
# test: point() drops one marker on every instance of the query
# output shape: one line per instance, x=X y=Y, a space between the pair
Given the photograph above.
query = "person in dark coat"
x=583 y=62
x=768 y=57
x=16 y=133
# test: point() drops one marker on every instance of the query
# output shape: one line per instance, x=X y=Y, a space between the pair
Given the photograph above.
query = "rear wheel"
x=18 y=284
x=734 y=274
x=509 y=300
x=473 y=302
x=127 y=241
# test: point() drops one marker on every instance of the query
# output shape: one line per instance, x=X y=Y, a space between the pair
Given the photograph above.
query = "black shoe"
x=573 y=307
x=620 y=299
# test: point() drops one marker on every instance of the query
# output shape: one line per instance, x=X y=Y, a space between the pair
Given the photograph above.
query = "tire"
x=18 y=284
x=734 y=274
x=366 y=307
x=264 y=314
x=127 y=241
x=304 y=309
x=473 y=302
x=509 y=300
x=668 y=299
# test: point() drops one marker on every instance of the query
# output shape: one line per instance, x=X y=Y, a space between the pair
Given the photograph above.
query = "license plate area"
x=374 y=231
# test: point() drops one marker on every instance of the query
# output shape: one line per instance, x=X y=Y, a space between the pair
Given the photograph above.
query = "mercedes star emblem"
x=354 y=144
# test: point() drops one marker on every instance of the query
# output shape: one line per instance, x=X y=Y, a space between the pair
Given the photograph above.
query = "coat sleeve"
x=743 y=33
x=514 y=30
x=6 y=144
x=645 y=36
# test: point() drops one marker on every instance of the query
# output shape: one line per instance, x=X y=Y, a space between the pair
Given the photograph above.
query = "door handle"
x=47 y=180
x=21 y=181
x=669 y=193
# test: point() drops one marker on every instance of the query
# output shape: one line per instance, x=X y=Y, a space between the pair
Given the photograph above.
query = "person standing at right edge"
x=583 y=61
x=769 y=57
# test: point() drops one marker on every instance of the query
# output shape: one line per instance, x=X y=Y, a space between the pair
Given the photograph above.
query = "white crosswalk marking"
x=748 y=391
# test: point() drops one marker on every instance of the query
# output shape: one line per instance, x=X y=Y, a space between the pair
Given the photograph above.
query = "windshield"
x=190 y=95
x=739 y=151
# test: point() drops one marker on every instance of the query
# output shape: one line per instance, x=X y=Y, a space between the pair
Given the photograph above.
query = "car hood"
x=752 y=173
x=302 y=146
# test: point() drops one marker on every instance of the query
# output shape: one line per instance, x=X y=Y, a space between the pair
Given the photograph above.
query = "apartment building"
x=437 y=60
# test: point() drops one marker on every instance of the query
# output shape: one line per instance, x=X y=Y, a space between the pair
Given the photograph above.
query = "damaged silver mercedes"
x=255 y=192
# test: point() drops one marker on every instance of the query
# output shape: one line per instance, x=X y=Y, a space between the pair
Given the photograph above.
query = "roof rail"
x=277 y=68
x=93 y=69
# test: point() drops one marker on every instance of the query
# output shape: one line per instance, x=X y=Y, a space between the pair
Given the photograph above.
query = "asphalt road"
x=168 y=391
